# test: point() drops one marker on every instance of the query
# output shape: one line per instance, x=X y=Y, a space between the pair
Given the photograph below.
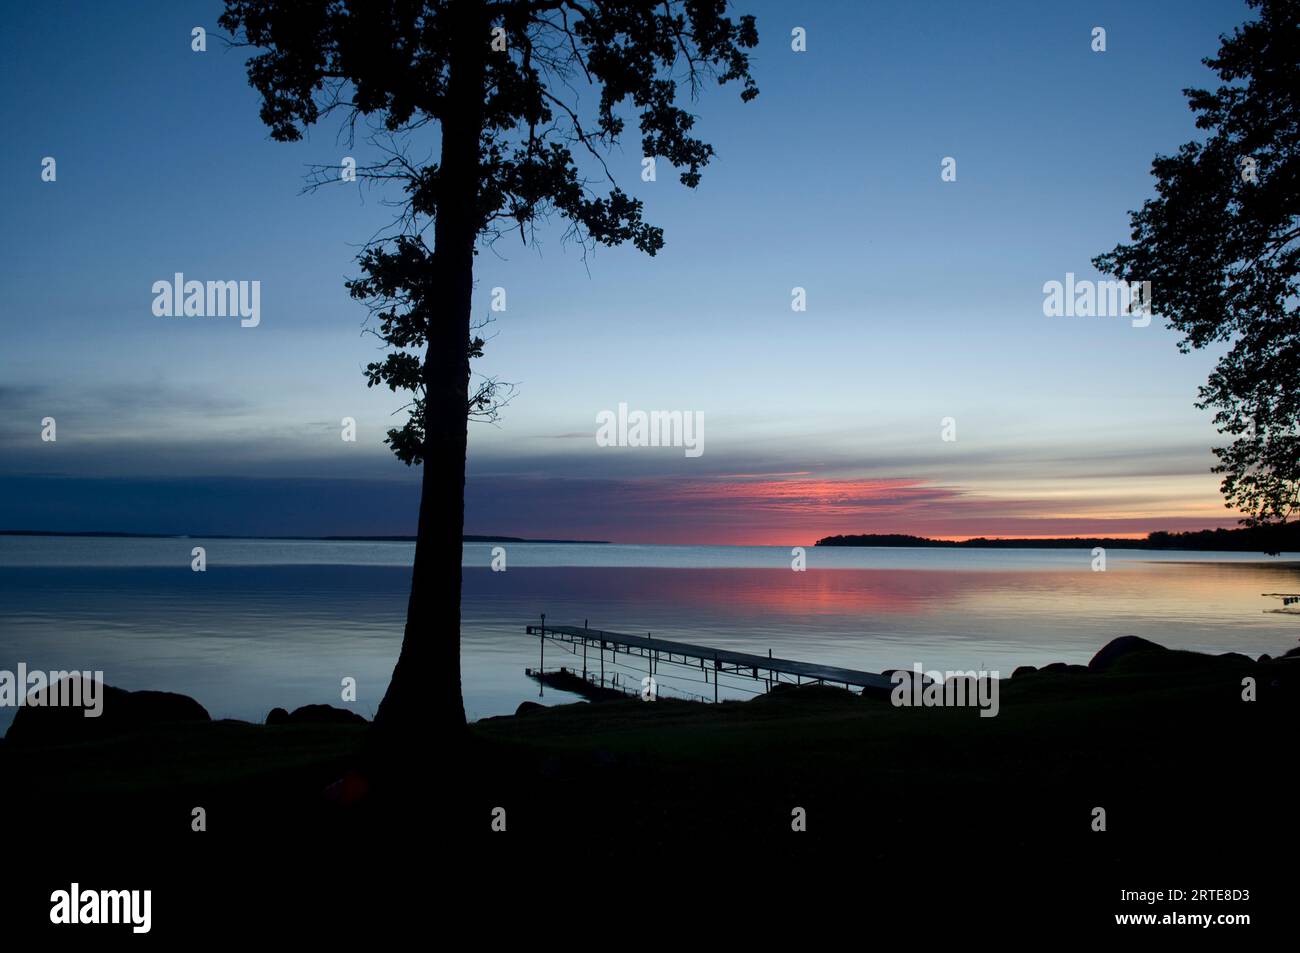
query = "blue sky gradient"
x=924 y=297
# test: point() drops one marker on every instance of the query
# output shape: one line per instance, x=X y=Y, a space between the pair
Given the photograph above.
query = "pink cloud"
x=783 y=509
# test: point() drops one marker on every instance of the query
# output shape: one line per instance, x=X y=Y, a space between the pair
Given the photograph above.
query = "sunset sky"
x=924 y=297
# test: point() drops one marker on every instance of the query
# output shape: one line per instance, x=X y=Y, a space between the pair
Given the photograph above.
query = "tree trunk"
x=424 y=699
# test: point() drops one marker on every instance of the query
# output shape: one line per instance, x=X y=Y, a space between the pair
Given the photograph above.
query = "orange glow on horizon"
x=777 y=510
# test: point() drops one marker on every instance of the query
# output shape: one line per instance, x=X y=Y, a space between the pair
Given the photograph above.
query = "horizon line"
x=490 y=537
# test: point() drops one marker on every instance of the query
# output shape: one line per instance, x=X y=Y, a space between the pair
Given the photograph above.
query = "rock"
x=1266 y=657
x=1164 y=661
x=1022 y=670
x=1063 y=668
x=324 y=715
x=1118 y=648
x=119 y=711
x=525 y=707
x=163 y=707
x=277 y=716
x=1233 y=657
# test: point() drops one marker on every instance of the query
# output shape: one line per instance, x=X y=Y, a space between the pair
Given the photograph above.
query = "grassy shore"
x=1170 y=726
x=1191 y=778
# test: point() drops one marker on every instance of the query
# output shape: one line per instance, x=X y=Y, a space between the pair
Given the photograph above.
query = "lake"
x=280 y=623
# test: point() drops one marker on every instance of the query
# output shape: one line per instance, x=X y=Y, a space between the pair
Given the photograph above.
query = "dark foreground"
x=644 y=813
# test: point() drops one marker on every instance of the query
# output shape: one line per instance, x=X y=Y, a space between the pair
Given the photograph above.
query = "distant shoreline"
x=314 y=539
x=1271 y=540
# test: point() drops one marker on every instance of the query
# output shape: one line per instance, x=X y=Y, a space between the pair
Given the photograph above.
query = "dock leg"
x=715 y=679
x=541 y=658
x=602 y=663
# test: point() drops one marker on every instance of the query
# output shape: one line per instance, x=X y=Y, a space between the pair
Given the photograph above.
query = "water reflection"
x=242 y=639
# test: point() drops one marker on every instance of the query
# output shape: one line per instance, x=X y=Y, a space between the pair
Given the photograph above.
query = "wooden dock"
x=1288 y=599
x=655 y=652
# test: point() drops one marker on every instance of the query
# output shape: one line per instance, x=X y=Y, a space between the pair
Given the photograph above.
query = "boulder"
x=1118 y=648
x=277 y=716
x=120 y=712
x=1063 y=668
x=1234 y=657
x=163 y=707
x=525 y=707
x=1023 y=670
x=1165 y=661
x=323 y=715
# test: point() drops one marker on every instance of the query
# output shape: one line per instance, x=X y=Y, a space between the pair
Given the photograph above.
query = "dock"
x=1288 y=599
x=712 y=662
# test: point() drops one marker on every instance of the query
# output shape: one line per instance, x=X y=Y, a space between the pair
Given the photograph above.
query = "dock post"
x=715 y=678
x=541 y=658
x=769 y=670
x=602 y=663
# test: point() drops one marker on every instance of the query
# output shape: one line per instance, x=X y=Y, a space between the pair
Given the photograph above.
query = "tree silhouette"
x=1220 y=245
x=499 y=84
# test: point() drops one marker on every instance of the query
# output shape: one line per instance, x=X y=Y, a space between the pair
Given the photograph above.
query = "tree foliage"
x=1220 y=244
x=530 y=61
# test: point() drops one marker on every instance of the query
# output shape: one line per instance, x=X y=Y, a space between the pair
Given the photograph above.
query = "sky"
x=924 y=296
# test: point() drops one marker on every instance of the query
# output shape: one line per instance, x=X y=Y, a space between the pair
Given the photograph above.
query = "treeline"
x=1264 y=539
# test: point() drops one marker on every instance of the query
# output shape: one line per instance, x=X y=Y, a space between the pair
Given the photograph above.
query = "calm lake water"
x=281 y=623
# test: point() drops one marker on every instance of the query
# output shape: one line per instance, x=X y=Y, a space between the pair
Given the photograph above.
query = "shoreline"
x=1156 y=739
x=884 y=542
